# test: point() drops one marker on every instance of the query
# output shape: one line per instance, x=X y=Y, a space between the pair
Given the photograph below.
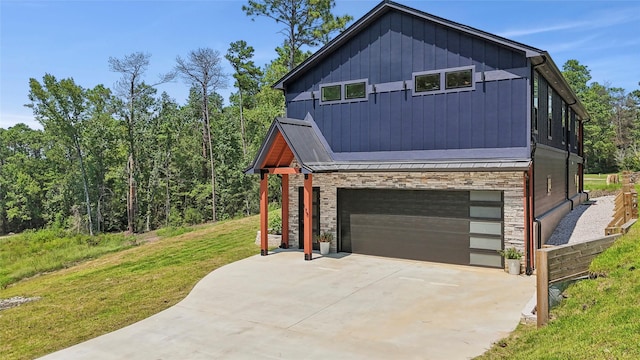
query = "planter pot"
x=324 y=248
x=513 y=266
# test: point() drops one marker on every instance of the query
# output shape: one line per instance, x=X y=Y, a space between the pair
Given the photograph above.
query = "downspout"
x=531 y=189
x=528 y=222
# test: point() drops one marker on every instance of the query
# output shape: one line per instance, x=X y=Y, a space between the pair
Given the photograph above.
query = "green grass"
x=600 y=319
x=35 y=252
x=117 y=289
x=596 y=184
x=173 y=231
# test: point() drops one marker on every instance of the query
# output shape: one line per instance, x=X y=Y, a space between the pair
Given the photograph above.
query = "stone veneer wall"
x=509 y=182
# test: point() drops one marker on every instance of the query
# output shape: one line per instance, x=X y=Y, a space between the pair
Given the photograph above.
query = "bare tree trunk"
x=167 y=201
x=131 y=199
x=205 y=107
x=84 y=183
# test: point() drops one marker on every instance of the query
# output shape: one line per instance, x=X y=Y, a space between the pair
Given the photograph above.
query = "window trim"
x=423 y=73
x=446 y=85
x=366 y=94
x=443 y=78
x=564 y=122
x=323 y=86
x=343 y=91
x=549 y=112
x=536 y=102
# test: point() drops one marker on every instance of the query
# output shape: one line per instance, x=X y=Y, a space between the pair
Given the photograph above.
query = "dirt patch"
x=15 y=301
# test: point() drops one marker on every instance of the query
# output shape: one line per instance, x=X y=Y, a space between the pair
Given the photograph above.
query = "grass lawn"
x=596 y=184
x=32 y=253
x=599 y=319
x=101 y=295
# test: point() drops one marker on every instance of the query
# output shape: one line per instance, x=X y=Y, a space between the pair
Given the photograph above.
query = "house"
x=412 y=136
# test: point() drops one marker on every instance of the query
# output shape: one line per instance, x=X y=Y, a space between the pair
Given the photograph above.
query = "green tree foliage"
x=203 y=70
x=611 y=140
x=247 y=77
x=62 y=108
x=307 y=22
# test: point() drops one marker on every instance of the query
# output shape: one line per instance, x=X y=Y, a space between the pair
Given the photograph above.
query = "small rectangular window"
x=575 y=132
x=331 y=93
x=564 y=122
x=427 y=82
x=550 y=113
x=535 y=103
x=458 y=79
x=355 y=90
x=485 y=195
x=489 y=228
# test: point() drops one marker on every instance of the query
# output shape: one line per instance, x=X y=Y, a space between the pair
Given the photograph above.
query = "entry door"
x=315 y=217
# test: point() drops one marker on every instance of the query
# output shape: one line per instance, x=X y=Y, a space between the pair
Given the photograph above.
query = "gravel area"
x=586 y=222
x=15 y=301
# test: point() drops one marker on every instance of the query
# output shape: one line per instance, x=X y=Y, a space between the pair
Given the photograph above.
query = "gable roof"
x=289 y=139
x=383 y=8
x=540 y=59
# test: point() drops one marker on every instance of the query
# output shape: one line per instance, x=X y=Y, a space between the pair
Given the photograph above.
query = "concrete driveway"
x=337 y=307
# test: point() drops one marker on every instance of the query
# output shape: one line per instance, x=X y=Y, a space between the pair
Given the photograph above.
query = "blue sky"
x=76 y=38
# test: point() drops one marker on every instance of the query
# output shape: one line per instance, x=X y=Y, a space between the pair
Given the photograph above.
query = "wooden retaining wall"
x=559 y=263
x=625 y=207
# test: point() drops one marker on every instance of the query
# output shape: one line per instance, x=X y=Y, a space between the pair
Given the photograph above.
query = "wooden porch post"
x=308 y=216
x=285 y=211
x=264 y=214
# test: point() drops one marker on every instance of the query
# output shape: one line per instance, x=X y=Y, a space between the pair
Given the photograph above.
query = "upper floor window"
x=564 y=122
x=535 y=103
x=355 y=90
x=575 y=132
x=427 y=82
x=345 y=91
x=331 y=93
x=550 y=113
x=453 y=79
x=458 y=79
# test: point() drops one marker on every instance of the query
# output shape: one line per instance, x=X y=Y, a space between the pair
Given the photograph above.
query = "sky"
x=75 y=38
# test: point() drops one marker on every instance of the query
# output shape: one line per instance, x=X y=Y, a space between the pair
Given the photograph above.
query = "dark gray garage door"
x=458 y=227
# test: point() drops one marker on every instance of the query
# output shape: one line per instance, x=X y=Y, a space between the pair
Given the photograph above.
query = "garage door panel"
x=408 y=202
x=409 y=223
x=429 y=225
x=416 y=245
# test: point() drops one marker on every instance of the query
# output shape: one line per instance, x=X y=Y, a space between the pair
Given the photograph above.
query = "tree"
x=61 y=108
x=307 y=22
x=577 y=75
x=202 y=68
x=132 y=67
x=247 y=77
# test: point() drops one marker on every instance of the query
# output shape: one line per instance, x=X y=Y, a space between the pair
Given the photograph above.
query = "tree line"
x=612 y=133
x=129 y=159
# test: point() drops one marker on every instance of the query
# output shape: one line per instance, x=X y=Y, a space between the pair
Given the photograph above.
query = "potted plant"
x=325 y=239
x=512 y=258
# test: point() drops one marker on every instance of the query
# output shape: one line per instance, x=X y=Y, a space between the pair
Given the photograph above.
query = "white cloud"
x=591 y=21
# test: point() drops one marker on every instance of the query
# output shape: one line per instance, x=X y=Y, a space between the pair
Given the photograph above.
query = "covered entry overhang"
x=288 y=140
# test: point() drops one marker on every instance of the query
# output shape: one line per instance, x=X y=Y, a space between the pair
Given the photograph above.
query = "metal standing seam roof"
x=426 y=165
x=300 y=137
x=309 y=150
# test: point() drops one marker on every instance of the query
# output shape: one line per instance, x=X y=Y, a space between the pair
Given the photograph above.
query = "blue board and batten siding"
x=391 y=49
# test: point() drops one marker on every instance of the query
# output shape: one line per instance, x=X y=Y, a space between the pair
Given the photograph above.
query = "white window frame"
x=343 y=91
x=443 y=80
